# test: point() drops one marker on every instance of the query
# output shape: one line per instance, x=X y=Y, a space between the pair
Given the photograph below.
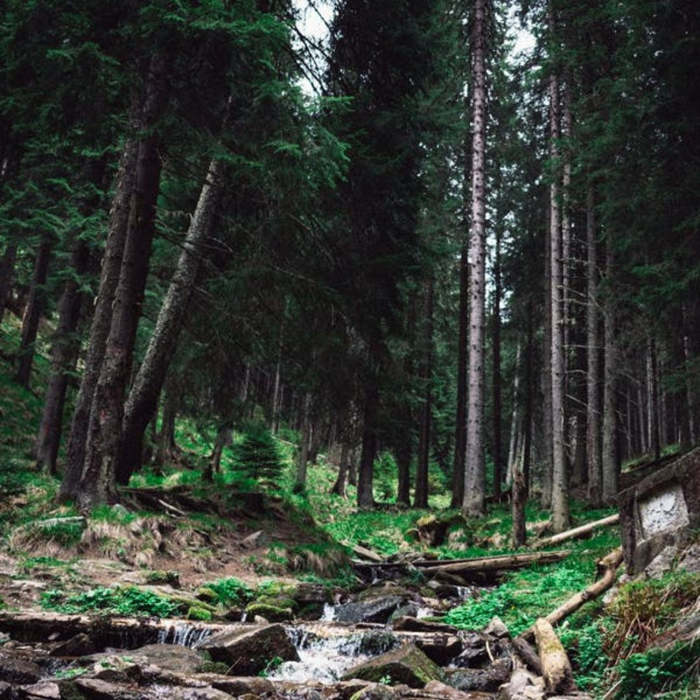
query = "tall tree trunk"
x=461 y=412
x=560 y=503
x=143 y=397
x=653 y=398
x=166 y=439
x=36 y=305
x=300 y=482
x=404 y=452
x=102 y=315
x=340 y=485
x=474 y=477
x=547 y=417
x=224 y=436
x=593 y=358
x=512 y=443
x=7 y=271
x=496 y=376
x=64 y=354
x=689 y=393
x=365 y=477
x=97 y=484
x=421 y=493
x=610 y=457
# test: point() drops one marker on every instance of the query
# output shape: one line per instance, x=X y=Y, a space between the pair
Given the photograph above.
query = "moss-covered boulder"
x=407 y=665
x=271 y=613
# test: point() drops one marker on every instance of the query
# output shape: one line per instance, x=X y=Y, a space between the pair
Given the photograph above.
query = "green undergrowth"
x=127 y=601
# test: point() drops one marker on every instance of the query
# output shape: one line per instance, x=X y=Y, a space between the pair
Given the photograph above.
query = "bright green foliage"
x=642 y=675
x=524 y=595
x=110 y=601
x=256 y=456
x=230 y=591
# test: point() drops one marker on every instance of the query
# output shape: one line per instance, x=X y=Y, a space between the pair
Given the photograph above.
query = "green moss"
x=215 y=667
x=199 y=613
x=169 y=578
x=269 y=612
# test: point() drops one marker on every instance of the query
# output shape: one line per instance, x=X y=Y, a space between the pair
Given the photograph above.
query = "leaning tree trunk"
x=609 y=455
x=474 y=478
x=421 y=492
x=63 y=357
x=36 y=305
x=461 y=412
x=593 y=358
x=560 y=503
x=340 y=485
x=102 y=315
x=167 y=447
x=97 y=484
x=143 y=397
x=7 y=271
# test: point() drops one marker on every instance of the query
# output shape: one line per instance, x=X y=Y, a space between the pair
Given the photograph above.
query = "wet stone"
x=17 y=669
x=488 y=679
x=377 y=610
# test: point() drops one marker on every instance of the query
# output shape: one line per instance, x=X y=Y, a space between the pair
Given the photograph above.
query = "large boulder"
x=247 y=652
x=376 y=610
x=408 y=665
x=14 y=668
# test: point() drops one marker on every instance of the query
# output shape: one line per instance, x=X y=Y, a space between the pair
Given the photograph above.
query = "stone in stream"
x=248 y=652
x=78 y=645
x=413 y=624
x=376 y=610
x=43 y=690
x=408 y=665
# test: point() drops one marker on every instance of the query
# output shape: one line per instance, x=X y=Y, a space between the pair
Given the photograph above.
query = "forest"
x=349 y=349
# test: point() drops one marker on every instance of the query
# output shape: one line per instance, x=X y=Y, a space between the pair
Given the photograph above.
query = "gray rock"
x=5 y=691
x=97 y=689
x=690 y=559
x=497 y=628
x=488 y=680
x=473 y=654
x=46 y=690
x=377 y=610
x=15 y=668
x=248 y=652
x=78 y=645
x=522 y=685
x=413 y=624
x=662 y=562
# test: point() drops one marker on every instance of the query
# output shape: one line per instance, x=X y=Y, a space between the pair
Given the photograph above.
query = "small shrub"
x=230 y=591
x=256 y=456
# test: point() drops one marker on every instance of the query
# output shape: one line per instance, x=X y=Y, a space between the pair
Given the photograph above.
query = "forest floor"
x=178 y=547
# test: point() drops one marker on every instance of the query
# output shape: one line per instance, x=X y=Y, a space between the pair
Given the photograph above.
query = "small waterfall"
x=326 y=653
x=464 y=592
x=184 y=635
x=422 y=612
x=328 y=613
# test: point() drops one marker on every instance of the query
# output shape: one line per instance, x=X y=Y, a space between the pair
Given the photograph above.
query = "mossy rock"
x=169 y=578
x=272 y=613
x=218 y=667
x=407 y=665
x=207 y=594
x=198 y=613
x=275 y=601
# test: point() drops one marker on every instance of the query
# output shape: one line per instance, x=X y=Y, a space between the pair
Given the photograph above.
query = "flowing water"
x=183 y=634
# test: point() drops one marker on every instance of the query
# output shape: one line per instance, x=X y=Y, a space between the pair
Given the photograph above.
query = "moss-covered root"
x=555 y=663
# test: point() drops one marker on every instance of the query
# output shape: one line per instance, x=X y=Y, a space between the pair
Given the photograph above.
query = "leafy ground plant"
x=110 y=601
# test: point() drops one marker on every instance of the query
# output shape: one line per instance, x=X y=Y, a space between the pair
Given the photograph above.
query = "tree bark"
x=36 y=305
x=300 y=483
x=166 y=439
x=653 y=399
x=63 y=357
x=340 y=485
x=421 y=492
x=512 y=443
x=365 y=493
x=97 y=484
x=224 y=436
x=496 y=376
x=474 y=478
x=547 y=417
x=592 y=358
x=143 y=397
x=7 y=271
x=102 y=315
x=560 y=503
x=461 y=412
x=609 y=456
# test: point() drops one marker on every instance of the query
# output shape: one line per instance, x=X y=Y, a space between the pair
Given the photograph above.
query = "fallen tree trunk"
x=501 y=562
x=528 y=655
x=556 y=668
x=607 y=567
x=580 y=531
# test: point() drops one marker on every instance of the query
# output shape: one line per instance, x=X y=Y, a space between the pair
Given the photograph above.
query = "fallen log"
x=556 y=668
x=528 y=655
x=579 y=531
x=365 y=553
x=500 y=562
x=607 y=568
